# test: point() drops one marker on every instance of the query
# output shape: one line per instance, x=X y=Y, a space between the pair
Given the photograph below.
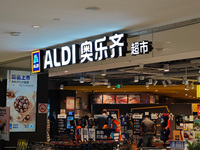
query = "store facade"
x=109 y=52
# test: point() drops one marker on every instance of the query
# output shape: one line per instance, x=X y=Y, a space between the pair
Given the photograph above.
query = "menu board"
x=133 y=99
x=61 y=123
x=21 y=98
x=108 y=99
x=121 y=99
x=98 y=99
x=137 y=119
x=70 y=103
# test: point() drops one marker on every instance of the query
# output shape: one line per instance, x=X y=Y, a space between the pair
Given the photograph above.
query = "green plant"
x=194 y=145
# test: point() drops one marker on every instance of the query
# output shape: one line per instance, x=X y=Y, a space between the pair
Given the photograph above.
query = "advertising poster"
x=70 y=103
x=133 y=99
x=108 y=99
x=21 y=98
x=4 y=123
x=121 y=99
x=98 y=99
x=152 y=99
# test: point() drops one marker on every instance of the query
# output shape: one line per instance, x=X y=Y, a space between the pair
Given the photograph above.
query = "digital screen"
x=69 y=119
x=21 y=97
x=70 y=113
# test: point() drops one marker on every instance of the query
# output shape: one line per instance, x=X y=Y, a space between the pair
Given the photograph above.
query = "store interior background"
x=175 y=44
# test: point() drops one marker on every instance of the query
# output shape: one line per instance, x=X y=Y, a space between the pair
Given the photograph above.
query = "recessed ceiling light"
x=15 y=33
x=156 y=90
x=186 y=94
x=36 y=26
x=92 y=8
x=56 y=19
x=168 y=42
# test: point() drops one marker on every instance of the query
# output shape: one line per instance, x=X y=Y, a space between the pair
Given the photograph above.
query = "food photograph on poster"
x=152 y=99
x=97 y=99
x=133 y=99
x=108 y=99
x=121 y=99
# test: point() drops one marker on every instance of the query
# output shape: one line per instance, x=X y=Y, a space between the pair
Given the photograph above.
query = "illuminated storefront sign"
x=35 y=61
x=89 y=51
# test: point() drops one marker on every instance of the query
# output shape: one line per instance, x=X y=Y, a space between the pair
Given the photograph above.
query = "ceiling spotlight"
x=192 y=85
x=169 y=81
x=155 y=82
x=56 y=19
x=136 y=78
x=36 y=26
x=164 y=83
x=168 y=42
x=92 y=8
x=183 y=80
x=186 y=82
x=15 y=33
x=166 y=67
x=150 y=81
x=109 y=84
x=187 y=87
x=141 y=77
x=198 y=79
x=81 y=79
x=147 y=84
x=61 y=86
x=103 y=73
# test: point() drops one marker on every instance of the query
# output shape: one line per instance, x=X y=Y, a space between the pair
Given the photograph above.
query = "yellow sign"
x=198 y=91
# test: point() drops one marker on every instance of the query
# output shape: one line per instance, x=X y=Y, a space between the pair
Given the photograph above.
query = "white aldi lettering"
x=61 y=57
x=143 y=47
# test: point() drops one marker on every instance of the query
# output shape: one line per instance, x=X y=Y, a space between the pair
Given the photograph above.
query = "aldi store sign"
x=106 y=47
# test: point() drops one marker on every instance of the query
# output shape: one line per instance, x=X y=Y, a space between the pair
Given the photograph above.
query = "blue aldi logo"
x=36 y=61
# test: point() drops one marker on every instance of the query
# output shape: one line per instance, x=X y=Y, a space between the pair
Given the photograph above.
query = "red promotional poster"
x=70 y=103
x=121 y=99
x=108 y=99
